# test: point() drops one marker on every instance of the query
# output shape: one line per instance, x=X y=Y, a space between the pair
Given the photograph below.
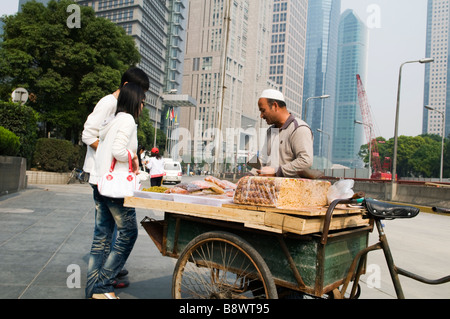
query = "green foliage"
x=22 y=121
x=55 y=155
x=68 y=70
x=146 y=132
x=418 y=156
x=9 y=142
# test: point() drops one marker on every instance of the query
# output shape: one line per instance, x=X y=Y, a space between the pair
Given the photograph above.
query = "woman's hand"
x=135 y=162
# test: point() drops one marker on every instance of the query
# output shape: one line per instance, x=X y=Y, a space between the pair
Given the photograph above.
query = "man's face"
x=266 y=112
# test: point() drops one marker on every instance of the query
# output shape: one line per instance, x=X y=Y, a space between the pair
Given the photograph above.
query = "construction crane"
x=378 y=172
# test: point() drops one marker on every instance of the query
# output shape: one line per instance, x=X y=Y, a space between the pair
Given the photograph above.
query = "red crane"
x=378 y=172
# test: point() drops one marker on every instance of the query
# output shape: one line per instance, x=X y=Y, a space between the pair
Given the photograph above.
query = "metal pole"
x=322 y=97
x=397 y=113
x=156 y=119
x=441 y=174
x=227 y=19
x=442 y=147
x=394 y=168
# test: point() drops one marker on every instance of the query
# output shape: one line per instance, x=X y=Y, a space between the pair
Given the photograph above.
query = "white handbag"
x=119 y=184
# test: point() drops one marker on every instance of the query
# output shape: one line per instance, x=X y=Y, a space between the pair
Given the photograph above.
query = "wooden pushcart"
x=240 y=251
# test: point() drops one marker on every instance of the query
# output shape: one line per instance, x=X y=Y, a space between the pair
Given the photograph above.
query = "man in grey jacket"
x=289 y=144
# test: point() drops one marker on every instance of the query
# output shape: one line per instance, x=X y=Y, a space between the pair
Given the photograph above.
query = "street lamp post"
x=311 y=98
x=329 y=143
x=370 y=146
x=394 y=166
x=173 y=91
x=443 y=139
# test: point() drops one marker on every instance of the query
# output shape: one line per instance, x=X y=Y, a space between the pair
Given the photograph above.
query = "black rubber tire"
x=262 y=284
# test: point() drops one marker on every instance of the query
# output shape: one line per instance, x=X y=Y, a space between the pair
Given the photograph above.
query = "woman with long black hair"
x=118 y=138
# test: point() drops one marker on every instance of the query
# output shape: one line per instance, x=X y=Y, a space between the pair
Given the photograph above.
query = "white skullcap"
x=273 y=95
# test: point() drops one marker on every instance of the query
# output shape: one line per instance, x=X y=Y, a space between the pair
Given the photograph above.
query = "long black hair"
x=130 y=99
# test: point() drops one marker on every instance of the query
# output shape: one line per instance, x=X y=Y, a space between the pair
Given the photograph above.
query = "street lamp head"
x=359 y=122
x=325 y=97
x=319 y=130
x=429 y=108
x=426 y=60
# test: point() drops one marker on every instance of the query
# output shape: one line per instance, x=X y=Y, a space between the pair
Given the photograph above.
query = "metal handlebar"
x=441 y=210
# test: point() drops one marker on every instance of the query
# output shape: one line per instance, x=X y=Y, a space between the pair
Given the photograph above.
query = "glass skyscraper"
x=437 y=86
x=352 y=60
x=146 y=22
x=320 y=73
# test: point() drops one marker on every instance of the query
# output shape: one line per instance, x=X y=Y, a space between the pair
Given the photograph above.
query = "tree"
x=417 y=156
x=67 y=69
x=146 y=132
x=22 y=121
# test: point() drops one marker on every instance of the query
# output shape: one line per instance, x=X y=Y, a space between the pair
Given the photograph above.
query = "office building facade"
x=437 y=86
x=287 y=51
x=146 y=22
x=320 y=74
x=352 y=60
x=225 y=70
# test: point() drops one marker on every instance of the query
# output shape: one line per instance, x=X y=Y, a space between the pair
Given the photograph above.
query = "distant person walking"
x=156 y=167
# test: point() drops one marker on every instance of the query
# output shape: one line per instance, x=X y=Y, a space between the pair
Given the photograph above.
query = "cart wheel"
x=221 y=265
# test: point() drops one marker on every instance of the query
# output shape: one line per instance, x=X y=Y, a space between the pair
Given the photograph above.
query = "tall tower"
x=147 y=23
x=224 y=69
x=287 y=51
x=437 y=85
x=352 y=60
x=320 y=72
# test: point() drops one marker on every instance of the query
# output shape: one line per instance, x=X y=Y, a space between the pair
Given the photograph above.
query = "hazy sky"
x=397 y=34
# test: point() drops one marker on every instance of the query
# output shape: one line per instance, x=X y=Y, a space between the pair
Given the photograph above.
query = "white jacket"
x=116 y=138
x=156 y=167
x=104 y=109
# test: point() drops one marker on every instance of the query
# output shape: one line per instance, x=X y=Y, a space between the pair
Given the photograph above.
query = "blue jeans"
x=106 y=259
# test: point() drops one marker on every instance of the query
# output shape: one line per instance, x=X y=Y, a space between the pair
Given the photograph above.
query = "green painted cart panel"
x=320 y=266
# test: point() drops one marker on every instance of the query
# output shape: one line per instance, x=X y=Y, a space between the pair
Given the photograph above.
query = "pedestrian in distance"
x=117 y=139
x=156 y=167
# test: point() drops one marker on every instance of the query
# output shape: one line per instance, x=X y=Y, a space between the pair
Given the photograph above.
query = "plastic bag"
x=341 y=190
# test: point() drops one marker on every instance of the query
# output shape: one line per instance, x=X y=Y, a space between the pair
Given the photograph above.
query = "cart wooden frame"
x=309 y=251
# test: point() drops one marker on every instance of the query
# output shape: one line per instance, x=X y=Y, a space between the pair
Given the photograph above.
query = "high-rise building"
x=320 y=74
x=437 y=84
x=352 y=60
x=146 y=21
x=287 y=51
x=224 y=71
x=22 y=2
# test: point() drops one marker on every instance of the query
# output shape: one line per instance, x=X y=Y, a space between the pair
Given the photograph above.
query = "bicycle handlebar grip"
x=441 y=210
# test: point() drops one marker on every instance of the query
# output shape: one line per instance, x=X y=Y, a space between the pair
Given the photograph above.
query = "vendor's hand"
x=267 y=171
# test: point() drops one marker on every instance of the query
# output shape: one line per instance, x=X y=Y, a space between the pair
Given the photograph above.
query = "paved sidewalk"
x=46 y=234
x=45 y=238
